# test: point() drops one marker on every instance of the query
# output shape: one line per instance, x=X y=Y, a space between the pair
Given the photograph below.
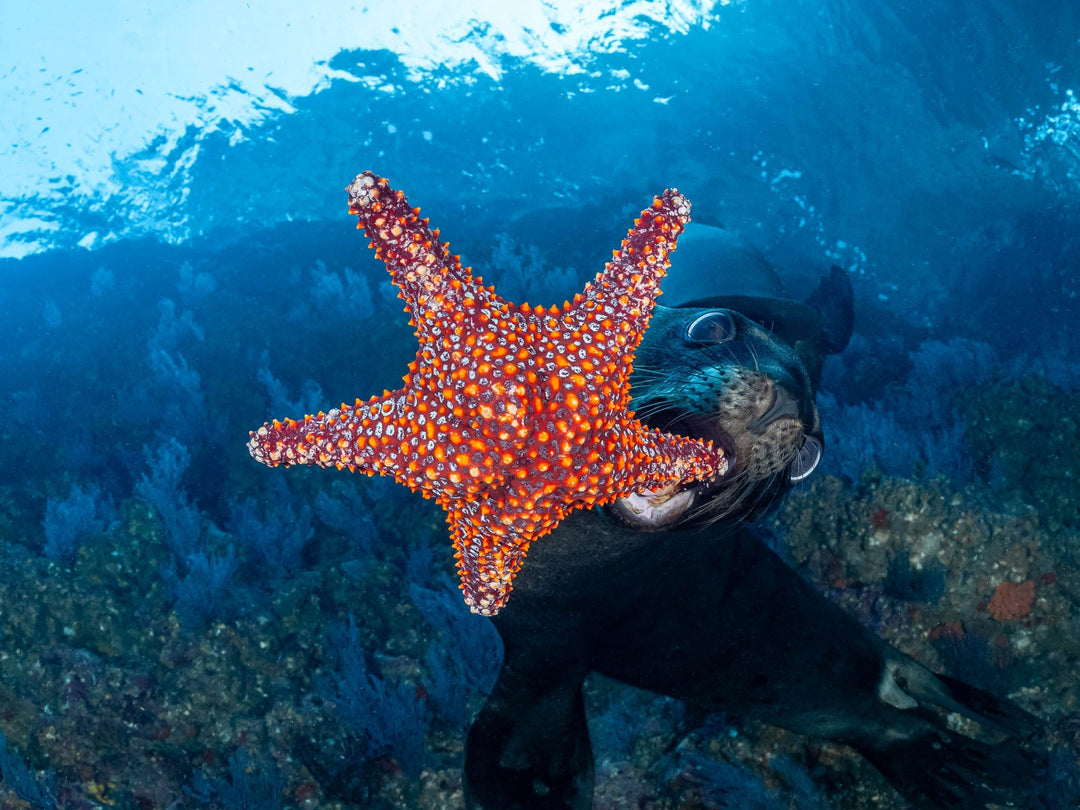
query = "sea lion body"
x=696 y=607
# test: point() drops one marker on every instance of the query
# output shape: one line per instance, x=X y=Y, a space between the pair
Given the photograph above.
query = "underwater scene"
x=795 y=526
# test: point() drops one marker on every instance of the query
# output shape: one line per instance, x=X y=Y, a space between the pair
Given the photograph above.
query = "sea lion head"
x=714 y=373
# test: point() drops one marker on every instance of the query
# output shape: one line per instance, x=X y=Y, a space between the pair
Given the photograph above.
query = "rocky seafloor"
x=115 y=693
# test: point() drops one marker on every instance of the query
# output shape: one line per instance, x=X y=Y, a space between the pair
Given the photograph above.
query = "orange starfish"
x=510 y=416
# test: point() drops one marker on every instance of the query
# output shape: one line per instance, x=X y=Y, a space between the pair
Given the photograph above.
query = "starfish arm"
x=435 y=287
x=408 y=434
x=630 y=282
x=365 y=436
x=664 y=459
x=488 y=555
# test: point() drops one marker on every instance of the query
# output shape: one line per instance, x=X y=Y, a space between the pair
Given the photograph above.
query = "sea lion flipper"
x=935 y=767
x=991 y=710
x=834 y=299
x=943 y=769
x=529 y=746
x=952 y=695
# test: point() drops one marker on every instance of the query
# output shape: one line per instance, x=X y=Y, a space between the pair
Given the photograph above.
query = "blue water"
x=208 y=278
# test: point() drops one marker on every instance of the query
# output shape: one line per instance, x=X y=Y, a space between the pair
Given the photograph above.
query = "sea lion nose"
x=784 y=406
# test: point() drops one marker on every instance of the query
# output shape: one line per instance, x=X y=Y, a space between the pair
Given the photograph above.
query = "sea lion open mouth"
x=714 y=374
x=657 y=509
x=652 y=509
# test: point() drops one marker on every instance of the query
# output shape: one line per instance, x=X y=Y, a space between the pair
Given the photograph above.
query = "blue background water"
x=169 y=290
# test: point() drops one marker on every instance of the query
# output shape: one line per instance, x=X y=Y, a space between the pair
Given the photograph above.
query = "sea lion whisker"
x=650 y=407
x=757 y=360
x=744 y=497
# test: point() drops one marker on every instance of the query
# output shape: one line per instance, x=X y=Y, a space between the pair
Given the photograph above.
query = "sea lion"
x=681 y=597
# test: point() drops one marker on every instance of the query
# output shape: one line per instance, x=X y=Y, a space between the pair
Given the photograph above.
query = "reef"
x=182 y=628
x=107 y=686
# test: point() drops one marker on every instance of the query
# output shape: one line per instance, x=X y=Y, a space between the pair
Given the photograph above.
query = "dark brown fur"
x=702 y=611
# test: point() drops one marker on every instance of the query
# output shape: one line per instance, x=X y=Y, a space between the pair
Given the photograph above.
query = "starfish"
x=510 y=416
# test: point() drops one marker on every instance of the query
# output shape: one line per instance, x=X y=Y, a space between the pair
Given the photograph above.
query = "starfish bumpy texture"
x=510 y=416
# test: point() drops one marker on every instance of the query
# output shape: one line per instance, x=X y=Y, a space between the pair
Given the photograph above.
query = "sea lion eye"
x=711 y=328
x=806 y=460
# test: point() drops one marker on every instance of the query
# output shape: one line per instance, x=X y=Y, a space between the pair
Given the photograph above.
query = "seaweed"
x=463 y=659
x=731 y=785
x=251 y=785
x=273 y=532
x=335 y=298
x=205 y=590
x=70 y=521
x=387 y=720
x=349 y=514
x=37 y=790
x=722 y=785
x=161 y=490
x=311 y=394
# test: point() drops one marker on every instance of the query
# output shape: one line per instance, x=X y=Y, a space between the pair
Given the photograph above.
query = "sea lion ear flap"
x=834 y=300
